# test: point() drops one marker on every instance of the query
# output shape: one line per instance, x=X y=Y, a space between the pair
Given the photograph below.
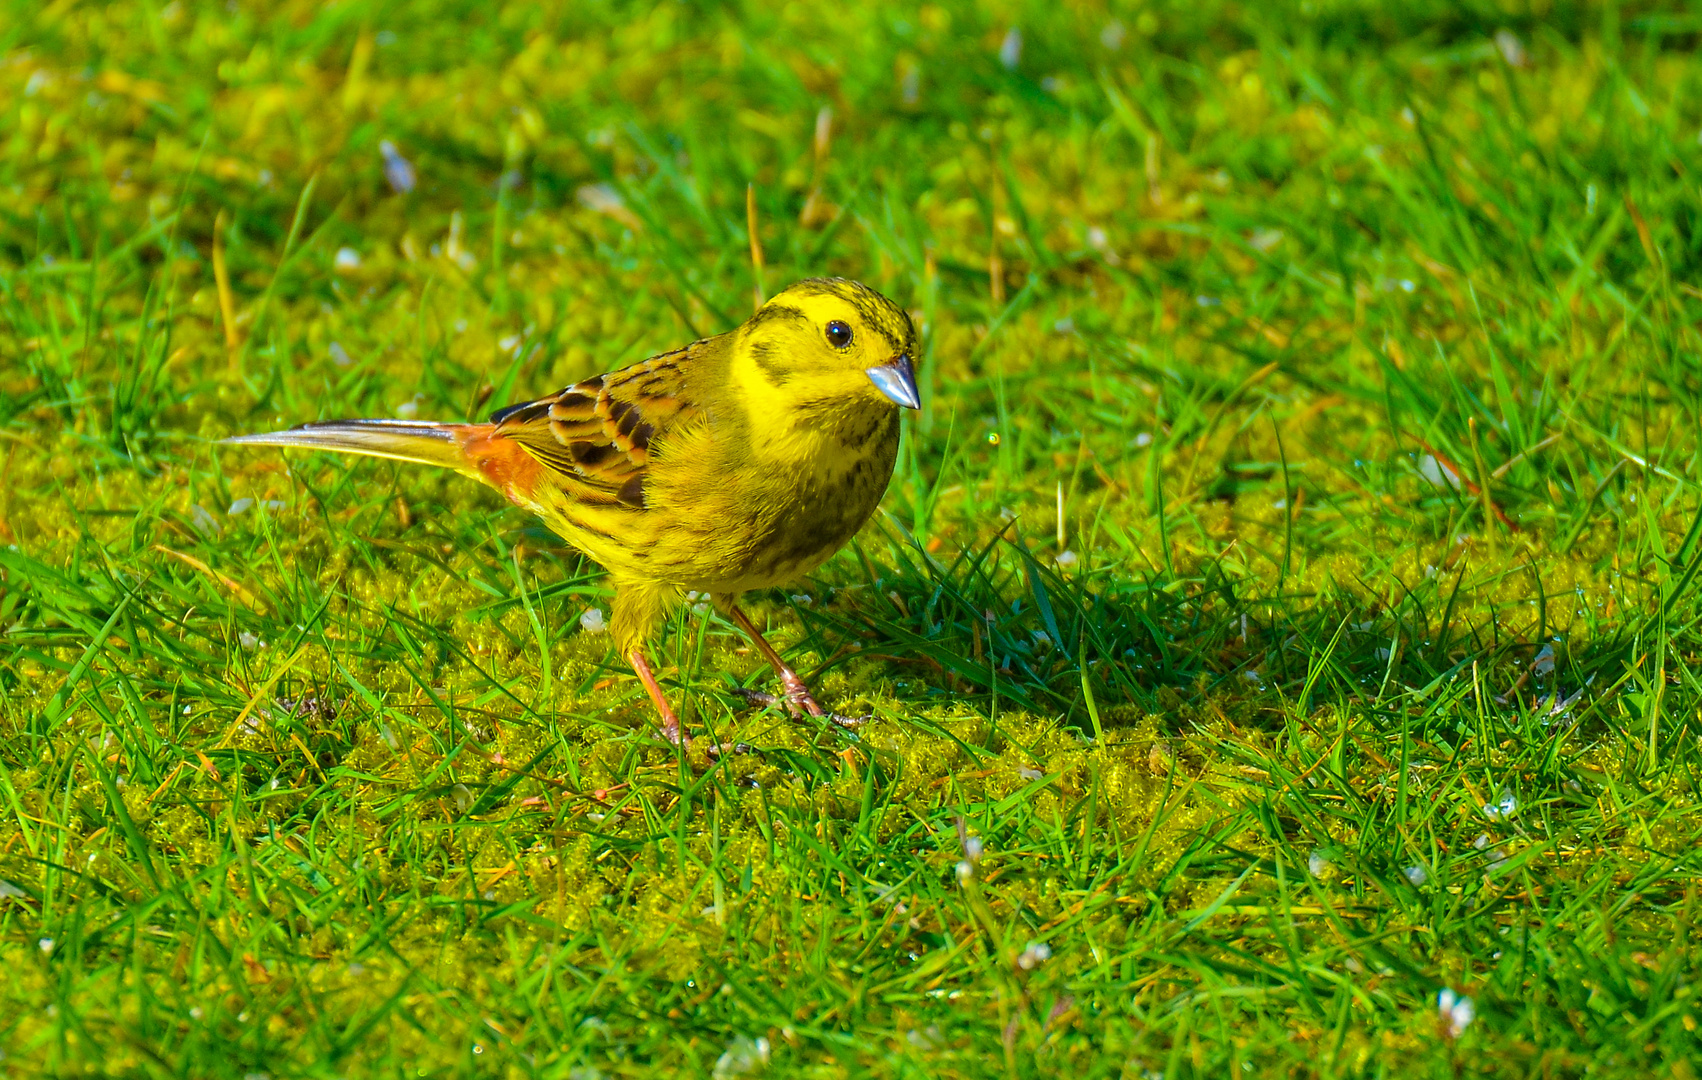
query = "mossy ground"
x=1285 y=608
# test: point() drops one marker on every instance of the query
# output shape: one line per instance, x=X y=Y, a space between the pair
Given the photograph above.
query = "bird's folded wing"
x=596 y=435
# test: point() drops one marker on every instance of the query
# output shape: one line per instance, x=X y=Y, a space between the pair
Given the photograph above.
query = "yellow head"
x=828 y=346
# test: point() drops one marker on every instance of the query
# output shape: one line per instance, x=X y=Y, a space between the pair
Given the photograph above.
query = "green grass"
x=1350 y=352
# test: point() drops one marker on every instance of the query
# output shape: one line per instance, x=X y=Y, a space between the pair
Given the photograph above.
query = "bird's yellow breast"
x=776 y=506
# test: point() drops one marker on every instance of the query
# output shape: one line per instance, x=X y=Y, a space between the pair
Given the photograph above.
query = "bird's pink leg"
x=670 y=723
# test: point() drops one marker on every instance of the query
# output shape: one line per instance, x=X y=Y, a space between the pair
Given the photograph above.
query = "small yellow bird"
x=736 y=463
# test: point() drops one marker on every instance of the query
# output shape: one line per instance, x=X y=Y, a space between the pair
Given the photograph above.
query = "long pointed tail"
x=421 y=441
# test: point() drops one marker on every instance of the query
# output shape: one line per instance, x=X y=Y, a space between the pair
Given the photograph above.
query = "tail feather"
x=422 y=441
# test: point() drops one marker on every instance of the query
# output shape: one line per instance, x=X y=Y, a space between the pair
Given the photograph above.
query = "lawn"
x=1281 y=634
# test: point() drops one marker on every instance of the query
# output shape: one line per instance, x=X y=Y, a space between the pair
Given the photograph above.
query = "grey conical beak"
x=897 y=381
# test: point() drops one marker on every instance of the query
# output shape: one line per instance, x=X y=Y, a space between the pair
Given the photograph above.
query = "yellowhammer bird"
x=736 y=463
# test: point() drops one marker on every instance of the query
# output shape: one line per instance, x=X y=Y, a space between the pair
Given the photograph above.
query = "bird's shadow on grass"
x=998 y=626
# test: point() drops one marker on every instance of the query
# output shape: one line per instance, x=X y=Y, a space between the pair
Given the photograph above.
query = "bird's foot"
x=798 y=702
x=672 y=735
x=797 y=699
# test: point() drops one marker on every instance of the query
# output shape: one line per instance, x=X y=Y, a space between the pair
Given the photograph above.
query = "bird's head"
x=829 y=345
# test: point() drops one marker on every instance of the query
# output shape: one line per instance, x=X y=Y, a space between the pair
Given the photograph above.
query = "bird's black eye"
x=838 y=334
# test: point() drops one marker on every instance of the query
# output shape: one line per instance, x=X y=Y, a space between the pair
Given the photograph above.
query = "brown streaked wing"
x=595 y=435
